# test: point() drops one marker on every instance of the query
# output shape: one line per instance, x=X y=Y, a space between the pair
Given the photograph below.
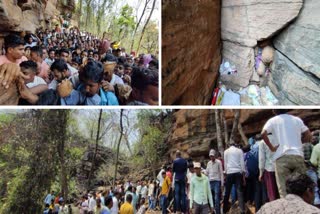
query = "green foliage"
x=125 y=22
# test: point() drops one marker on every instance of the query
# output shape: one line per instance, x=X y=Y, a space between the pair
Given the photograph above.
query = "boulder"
x=291 y=85
x=10 y=15
x=300 y=42
x=243 y=59
x=191 y=51
x=248 y=21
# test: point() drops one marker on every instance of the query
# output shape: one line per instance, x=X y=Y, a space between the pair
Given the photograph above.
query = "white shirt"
x=160 y=178
x=92 y=204
x=286 y=131
x=266 y=156
x=214 y=170
x=31 y=45
x=138 y=191
x=116 y=80
x=151 y=190
x=37 y=81
x=115 y=208
x=144 y=191
x=234 y=160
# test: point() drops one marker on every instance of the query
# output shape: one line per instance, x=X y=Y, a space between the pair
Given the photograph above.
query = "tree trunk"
x=138 y=24
x=243 y=136
x=218 y=130
x=63 y=117
x=80 y=12
x=225 y=127
x=235 y=125
x=118 y=147
x=145 y=25
x=95 y=151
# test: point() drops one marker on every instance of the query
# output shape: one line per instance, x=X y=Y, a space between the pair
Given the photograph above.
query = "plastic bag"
x=230 y=99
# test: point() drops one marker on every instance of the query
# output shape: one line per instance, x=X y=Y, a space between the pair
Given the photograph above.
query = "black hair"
x=142 y=77
x=29 y=65
x=130 y=188
x=280 y=111
x=299 y=183
x=122 y=60
x=64 y=50
x=37 y=50
x=93 y=71
x=76 y=60
x=95 y=52
x=109 y=58
x=27 y=37
x=129 y=198
x=127 y=65
x=108 y=201
x=60 y=65
x=12 y=41
x=155 y=63
x=90 y=51
x=51 y=49
x=28 y=47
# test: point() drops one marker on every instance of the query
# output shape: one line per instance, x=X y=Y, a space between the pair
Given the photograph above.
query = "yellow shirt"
x=166 y=186
x=126 y=208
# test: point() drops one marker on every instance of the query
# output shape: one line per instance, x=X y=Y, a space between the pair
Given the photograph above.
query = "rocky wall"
x=191 y=50
x=292 y=28
x=194 y=131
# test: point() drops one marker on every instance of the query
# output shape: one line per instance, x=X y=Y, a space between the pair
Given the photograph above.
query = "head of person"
x=130 y=188
x=90 y=53
x=14 y=46
x=143 y=201
x=197 y=168
x=60 y=70
x=109 y=202
x=117 y=194
x=29 y=69
x=163 y=174
x=154 y=64
x=130 y=61
x=109 y=62
x=127 y=69
x=52 y=53
x=191 y=167
x=64 y=54
x=28 y=39
x=36 y=54
x=144 y=83
x=212 y=154
x=129 y=198
x=302 y=186
x=84 y=54
x=27 y=51
x=96 y=56
x=104 y=47
x=119 y=70
x=178 y=154
x=44 y=53
x=91 y=77
x=75 y=62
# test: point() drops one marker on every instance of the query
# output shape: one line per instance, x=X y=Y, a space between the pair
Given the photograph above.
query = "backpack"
x=252 y=161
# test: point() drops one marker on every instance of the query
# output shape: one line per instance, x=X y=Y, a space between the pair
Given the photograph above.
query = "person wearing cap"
x=180 y=167
x=215 y=174
x=200 y=192
x=235 y=174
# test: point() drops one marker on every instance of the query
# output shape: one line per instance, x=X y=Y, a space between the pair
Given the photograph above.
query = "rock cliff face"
x=292 y=27
x=194 y=131
x=190 y=50
x=22 y=15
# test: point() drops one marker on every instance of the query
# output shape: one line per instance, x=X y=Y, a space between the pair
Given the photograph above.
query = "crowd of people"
x=69 y=67
x=276 y=172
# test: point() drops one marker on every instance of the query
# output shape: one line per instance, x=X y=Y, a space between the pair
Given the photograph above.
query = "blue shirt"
x=180 y=167
x=48 y=199
x=77 y=97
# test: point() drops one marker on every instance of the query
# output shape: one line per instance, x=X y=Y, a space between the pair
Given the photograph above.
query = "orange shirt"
x=5 y=60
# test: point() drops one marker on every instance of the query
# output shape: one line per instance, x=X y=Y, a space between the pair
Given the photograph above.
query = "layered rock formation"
x=190 y=50
x=298 y=58
x=194 y=131
x=243 y=24
x=292 y=27
x=29 y=15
